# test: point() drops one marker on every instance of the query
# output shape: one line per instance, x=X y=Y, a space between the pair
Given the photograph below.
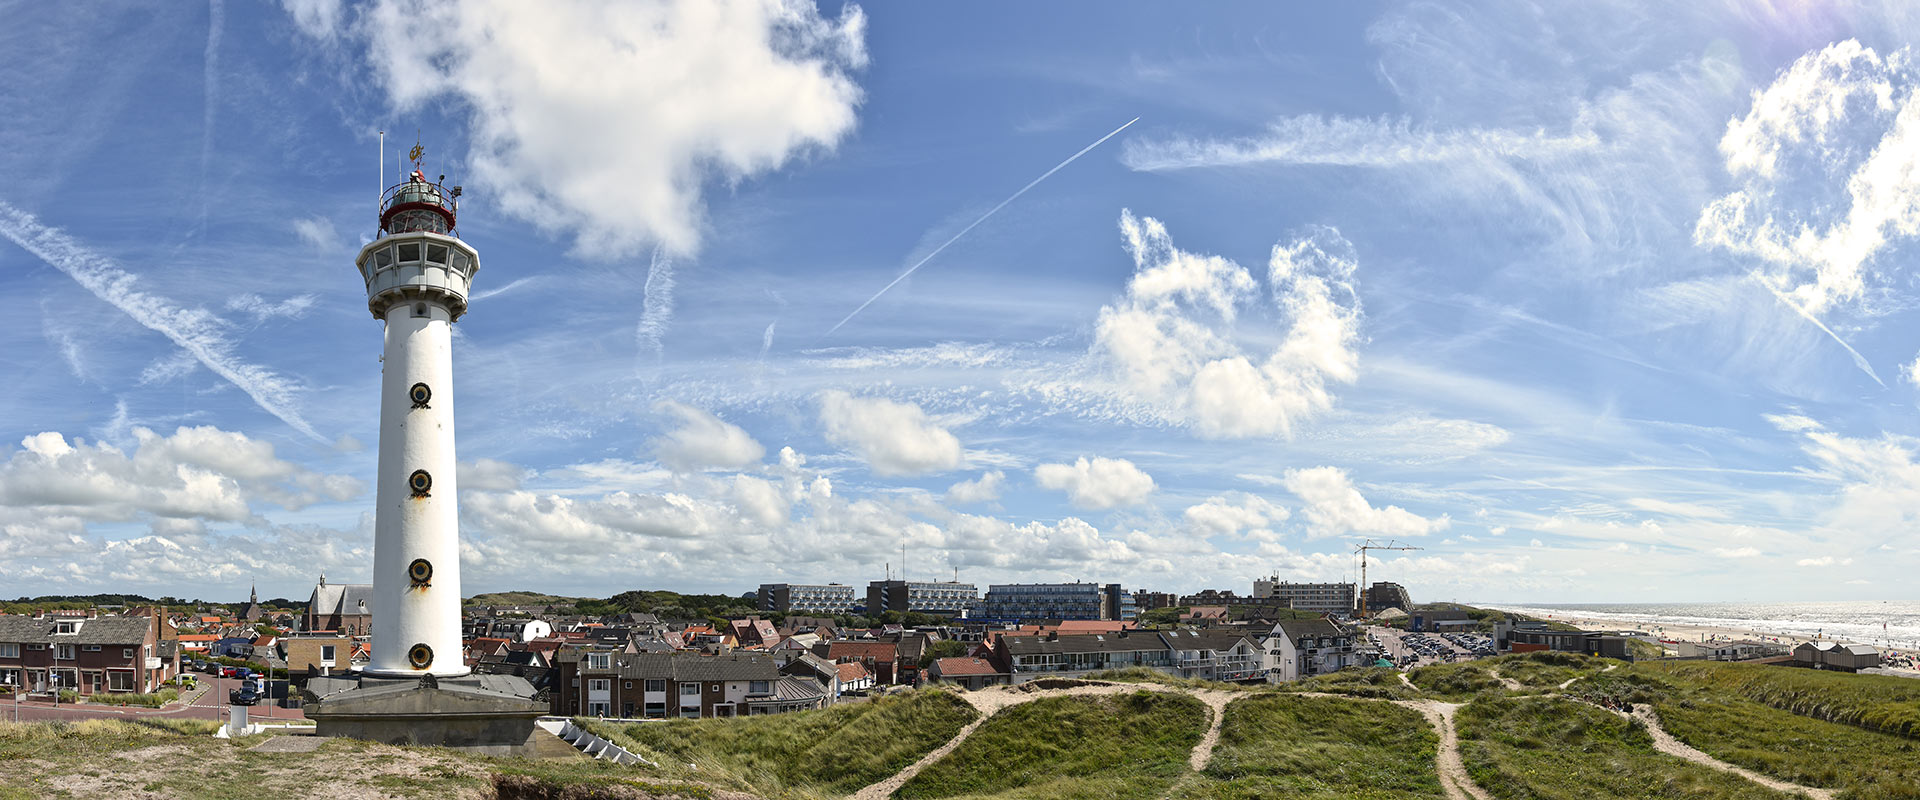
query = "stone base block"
x=484 y=714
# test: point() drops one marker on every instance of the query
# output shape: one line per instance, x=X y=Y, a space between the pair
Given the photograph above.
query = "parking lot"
x=1409 y=650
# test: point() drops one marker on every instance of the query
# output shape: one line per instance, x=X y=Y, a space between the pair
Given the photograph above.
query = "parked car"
x=246 y=695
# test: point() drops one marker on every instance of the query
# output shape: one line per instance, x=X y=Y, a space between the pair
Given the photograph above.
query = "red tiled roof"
x=853 y=671
x=879 y=651
x=949 y=667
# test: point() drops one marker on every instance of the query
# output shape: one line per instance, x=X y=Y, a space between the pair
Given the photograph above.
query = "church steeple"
x=253 y=594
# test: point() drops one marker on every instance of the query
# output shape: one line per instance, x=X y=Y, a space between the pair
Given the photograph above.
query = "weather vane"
x=415 y=154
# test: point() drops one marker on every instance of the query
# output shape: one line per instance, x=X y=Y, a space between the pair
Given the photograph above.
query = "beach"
x=1728 y=631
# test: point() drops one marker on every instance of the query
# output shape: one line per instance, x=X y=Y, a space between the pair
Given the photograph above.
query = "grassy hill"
x=807 y=754
x=1088 y=747
x=520 y=599
x=1285 y=746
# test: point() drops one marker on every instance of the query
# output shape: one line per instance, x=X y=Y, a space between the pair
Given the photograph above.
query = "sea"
x=1886 y=623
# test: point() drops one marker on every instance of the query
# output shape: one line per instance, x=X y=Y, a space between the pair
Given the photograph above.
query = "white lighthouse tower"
x=416 y=688
x=417 y=275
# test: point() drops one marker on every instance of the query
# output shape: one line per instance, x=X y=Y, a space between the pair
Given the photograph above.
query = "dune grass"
x=1146 y=675
x=1071 y=748
x=1459 y=681
x=1548 y=669
x=1536 y=747
x=1876 y=702
x=1370 y=682
x=1863 y=764
x=806 y=754
x=1318 y=747
x=48 y=740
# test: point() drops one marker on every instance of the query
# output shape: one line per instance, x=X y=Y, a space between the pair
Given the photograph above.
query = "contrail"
x=656 y=304
x=1858 y=360
x=193 y=330
x=976 y=223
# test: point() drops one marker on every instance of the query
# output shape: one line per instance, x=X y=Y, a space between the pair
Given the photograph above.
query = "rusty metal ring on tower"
x=420 y=656
x=420 y=482
x=420 y=394
x=420 y=572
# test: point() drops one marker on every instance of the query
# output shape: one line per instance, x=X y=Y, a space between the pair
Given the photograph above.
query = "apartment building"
x=91 y=655
x=945 y=598
x=1320 y=598
x=1020 y=602
x=807 y=598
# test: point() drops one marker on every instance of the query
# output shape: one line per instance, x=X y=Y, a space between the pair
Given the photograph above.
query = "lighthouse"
x=416 y=687
x=417 y=274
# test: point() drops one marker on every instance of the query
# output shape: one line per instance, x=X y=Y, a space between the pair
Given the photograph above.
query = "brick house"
x=90 y=655
x=685 y=685
x=308 y=656
x=878 y=657
x=967 y=672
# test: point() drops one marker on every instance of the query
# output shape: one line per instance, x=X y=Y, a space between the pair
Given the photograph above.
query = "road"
x=206 y=702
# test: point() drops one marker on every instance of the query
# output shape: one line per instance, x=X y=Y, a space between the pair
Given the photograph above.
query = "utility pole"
x=1363 y=549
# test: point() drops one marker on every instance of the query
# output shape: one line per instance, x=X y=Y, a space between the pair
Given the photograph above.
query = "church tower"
x=417 y=275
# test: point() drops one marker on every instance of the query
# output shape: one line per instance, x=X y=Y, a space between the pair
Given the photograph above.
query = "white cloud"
x=1172 y=337
x=894 y=438
x=1911 y=371
x=488 y=475
x=260 y=310
x=1824 y=561
x=1233 y=513
x=1097 y=484
x=319 y=19
x=608 y=119
x=1736 y=552
x=703 y=441
x=197 y=473
x=984 y=489
x=1825 y=168
x=317 y=232
x=1333 y=507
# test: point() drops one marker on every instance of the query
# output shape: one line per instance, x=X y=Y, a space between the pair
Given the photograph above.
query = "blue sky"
x=1595 y=303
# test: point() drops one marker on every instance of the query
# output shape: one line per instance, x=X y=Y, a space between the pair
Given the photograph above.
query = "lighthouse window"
x=383 y=257
x=419 y=309
x=410 y=252
x=437 y=253
x=460 y=261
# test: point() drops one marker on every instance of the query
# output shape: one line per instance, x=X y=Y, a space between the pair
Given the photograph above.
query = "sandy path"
x=1203 y=752
x=1453 y=770
x=1408 y=683
x=1511 y=684
x=1666 y=743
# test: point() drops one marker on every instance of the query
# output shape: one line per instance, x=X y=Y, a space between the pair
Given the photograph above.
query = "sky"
x=1594 y=302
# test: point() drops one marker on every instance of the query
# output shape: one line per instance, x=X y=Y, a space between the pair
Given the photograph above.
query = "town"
x=789 y=647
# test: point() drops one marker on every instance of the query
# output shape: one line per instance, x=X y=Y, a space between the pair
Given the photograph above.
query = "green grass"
x=1460 y=681
x=1374 y=682
x=1876 y=702
x=1071 y=748
x=1864 y=764
x=148 y=699
x=22 y=740
x=1536 y=747
x=1147 y=675
x=1318 y=747
x=1547 y=669
x=805 y=754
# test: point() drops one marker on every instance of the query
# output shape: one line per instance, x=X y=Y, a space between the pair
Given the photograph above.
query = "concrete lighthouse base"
x=482 y=714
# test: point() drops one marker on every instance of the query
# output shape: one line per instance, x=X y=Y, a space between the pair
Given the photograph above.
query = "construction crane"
x=1362 y=551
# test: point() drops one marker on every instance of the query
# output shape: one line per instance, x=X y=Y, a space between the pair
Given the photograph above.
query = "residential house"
x=753 y=633
x=967 y=672
x=880 y=658
x=686 y=685
x=854 y=677
x=323 y=654
x=1215 y=655
x=90 y=655
x=1302 y=648
x=814 y=668
x=1053 y=656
